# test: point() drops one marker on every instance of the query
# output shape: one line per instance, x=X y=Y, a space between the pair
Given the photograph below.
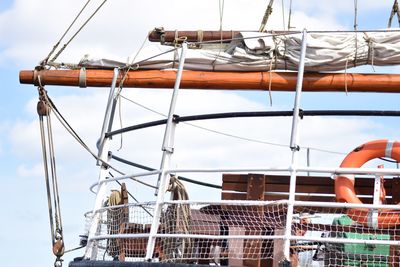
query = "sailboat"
x=266 y=216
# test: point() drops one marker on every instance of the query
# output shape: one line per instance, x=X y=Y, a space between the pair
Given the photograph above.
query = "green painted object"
x=361 y=255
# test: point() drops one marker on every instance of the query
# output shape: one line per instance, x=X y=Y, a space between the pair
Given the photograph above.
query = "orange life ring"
x=344 y=184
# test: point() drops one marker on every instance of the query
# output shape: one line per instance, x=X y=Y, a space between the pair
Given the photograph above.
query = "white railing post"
x=373 y=214
x=103 y=146
x=294 y=147
x=168 y=150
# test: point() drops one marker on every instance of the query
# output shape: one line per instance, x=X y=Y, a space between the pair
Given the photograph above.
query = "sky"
x=28 y=31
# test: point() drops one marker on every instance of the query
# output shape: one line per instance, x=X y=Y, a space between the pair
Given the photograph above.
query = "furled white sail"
x=254 y=51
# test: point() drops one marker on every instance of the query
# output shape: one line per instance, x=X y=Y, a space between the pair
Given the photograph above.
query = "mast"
x=280 y=81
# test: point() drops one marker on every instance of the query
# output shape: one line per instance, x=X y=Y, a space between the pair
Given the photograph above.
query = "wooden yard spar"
x=224 y=80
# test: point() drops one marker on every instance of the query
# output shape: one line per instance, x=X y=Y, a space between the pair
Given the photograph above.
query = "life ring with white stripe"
x=344 y=184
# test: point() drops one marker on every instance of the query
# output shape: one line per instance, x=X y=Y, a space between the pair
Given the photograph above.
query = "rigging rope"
x=290 y=15
x=43 y=110
x=283 y=15
x=72 y=132
x=267 y=13
x=177 y=220
x=44 y=61
x=221 y=6
x=77 y=32
x=140 y=166
x=135 y=199
x=121 y=84
x=230 y=135
x=355 y=15
x=395 y=10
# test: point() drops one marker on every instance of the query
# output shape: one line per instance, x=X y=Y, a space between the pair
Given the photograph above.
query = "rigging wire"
x=265 y=18
x=121 y=84
x=395 y=10
x=140 y=166
x=72 y=132
x=77 y=32
x=135 y=199
x=236 y=137
x=283 y=15
x=355 y=15
x=230 y=135
x=221 y=7
x=57 y=241
x=290 y=16
x=44 y=61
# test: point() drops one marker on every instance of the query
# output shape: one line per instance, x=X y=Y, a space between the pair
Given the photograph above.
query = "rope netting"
x=231 y=233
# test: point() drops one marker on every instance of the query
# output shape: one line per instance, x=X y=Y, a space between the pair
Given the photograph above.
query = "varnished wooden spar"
x=280 y=81
x=159 y=35
x=191 y=36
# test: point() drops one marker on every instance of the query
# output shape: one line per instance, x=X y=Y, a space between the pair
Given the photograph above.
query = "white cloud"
x=30 y=171
x=120 y=26
x=31 y=28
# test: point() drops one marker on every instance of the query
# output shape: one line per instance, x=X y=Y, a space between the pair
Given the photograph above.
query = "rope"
x=77 y=32
x=267 y=13
x=230 y=135
x=283 y=15
x=72 y=132
x=290 y=16
x=345 y=75
x=140 y=166
x=395 y=10
x=52 y=190
x=371 y=50
x=177 y=220
x=44 y=61
x=121 y=85
x=221 y=6
x=270 y=82
x=355 y=15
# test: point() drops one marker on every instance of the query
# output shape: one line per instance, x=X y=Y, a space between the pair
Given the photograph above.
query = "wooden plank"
x=301 y=180
x=253 y=248
x=241 y=187
x=256 y=187
x=233 y=196
x=395 y=190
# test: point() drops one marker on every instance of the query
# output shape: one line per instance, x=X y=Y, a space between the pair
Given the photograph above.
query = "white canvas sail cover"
x=254 y=51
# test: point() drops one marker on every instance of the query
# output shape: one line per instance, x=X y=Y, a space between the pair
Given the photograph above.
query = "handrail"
x=335 y=171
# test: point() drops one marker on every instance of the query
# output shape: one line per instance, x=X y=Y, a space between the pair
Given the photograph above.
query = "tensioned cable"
x=72 y=132
x=65 y=33
x=140 y=166
x=268 y=12
x=221 y=6
x=121 y=85
x=230 y=135
x=204 y=128
x=252 y=114
x=290 y=16
x=283 y=15
x=135 y=199
x=355 y=15
x=78 y=31
x=137 y=64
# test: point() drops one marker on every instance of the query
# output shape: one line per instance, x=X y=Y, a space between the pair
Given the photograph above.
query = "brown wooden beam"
x=191 y=36
x=280 y=81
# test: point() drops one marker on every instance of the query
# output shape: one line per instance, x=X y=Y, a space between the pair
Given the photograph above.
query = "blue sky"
x=28 y=30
